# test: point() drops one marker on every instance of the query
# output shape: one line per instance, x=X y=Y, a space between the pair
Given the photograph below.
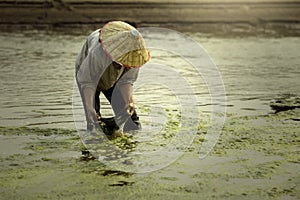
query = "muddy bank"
x=257 y=157
x=251 y=17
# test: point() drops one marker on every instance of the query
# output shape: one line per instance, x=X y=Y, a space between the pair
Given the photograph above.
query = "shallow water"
x=37 y=76
x=37 y=82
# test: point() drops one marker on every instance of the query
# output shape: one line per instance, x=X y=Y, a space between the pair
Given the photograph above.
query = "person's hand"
x=92 y=119
x=92 y=115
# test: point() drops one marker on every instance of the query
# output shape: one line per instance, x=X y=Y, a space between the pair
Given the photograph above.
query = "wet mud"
x=257 y=157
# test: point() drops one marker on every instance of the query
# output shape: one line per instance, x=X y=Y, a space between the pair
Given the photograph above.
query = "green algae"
x=255 y=157
x=35 y=131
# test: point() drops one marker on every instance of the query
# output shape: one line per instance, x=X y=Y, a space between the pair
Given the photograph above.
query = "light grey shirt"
x=94 y=67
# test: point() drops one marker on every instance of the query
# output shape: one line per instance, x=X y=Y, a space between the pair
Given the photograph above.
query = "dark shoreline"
x=208 y=17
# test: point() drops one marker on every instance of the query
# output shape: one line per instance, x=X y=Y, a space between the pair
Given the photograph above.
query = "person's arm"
x=126 y=92
x=88 y=75
x=122 y=100
x=130 y=118
x=126 y=84
x=89 y=98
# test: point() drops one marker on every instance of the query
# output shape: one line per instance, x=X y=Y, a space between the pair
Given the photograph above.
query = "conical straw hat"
x=124 y=44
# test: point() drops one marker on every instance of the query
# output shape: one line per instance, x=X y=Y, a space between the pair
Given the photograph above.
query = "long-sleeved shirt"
x=94 y=67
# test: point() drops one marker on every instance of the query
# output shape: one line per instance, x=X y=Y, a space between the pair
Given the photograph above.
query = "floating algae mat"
x=133 y=151
x=252 y=149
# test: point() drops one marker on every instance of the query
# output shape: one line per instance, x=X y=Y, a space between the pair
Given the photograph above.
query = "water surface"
x=37 y=76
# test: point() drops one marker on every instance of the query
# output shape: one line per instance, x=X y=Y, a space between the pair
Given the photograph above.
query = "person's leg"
x=134 y=123
x=97 y=103
x=108 y=93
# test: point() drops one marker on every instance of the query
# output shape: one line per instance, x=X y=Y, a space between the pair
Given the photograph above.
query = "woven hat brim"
x=135 y=58
x=124 y=44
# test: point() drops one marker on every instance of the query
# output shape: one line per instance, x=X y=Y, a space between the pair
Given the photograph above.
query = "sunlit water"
x=37 y=77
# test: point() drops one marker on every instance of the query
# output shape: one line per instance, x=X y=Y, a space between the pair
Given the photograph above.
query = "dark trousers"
x=108 y=94
x=132 y=124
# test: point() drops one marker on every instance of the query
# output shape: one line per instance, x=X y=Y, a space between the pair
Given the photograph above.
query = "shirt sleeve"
x=129 y=77
x=81 y=56
x=90 y=70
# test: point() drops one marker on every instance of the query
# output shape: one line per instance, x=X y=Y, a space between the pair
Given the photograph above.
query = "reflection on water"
x=37 y=74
